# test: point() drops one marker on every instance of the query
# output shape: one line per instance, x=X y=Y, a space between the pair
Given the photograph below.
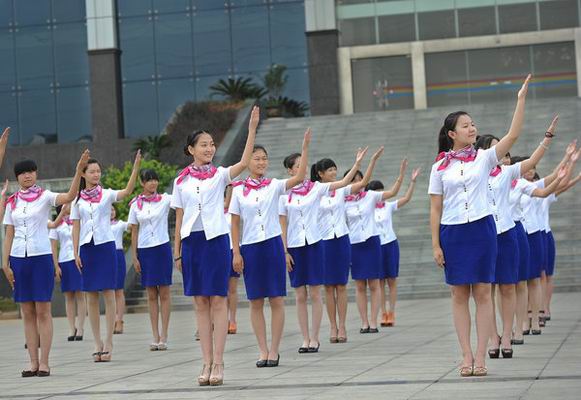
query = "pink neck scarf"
x=302 y=189
x=29 y=195
x=92 y=195
x=199 y=172
x=356 y=197
x=497 y=170
x=252 y=184
x=467 y=154
x=140 y=198
x=67 y=220
x=381 y=204
x=332 y=193
x=513 y=183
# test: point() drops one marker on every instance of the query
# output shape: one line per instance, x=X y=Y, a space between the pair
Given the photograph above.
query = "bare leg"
x=317 y=309
x=165 y=307
x=204 y=327
x=494 y=341
x=94 y=319
x=461 y=313
x=44 y=320
x=508 y=293
x=361 y=297
x=303 y=313
x=153 y=305
x=521 y=308
x=109 y=297
x=28 y=311
x=534 y=302
x=232 y=299
x=549 y=296
x=259 y=326
x=375 y=300
x=543 y=291
x=342 y=309
x=331 y=304
x=382 y=283
x=276 y=325
x=81 y=312
x=70 y=311
x=392 y=283
x=482 y=296
x=219 y=314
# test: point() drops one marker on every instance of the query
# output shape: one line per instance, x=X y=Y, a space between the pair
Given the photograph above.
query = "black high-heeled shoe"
x=536 y=331
x=72 y=337
x=494 y=353
x=273 y=363
x=364 y=330
x=506 y=353
x=314 y=349
x=261 y=363
x=517 y=341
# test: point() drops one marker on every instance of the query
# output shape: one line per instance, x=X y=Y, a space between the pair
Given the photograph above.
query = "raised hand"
x=360 y=154
x=562 y=173
x=415 y=174
x=308 y=136
x=83 y=161
x=403 y=166
x=575 y=156
x=254 y=119
x=4 y=138
x=553 y=126
x=137 y=161
x=522 y=93
x=378 y=153
x=4 y=189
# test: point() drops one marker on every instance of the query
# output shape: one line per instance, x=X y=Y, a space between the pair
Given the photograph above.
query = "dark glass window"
x=70 y=52
x=298 y=84
x=476 y=21
x=171 y=94
x=397 y=28
x=250 y=38
x=9 y=115
x=6 y=18
x=136 y=41
x=7 y=76
x=287 y=34
x=517 y=17
x=559 y=14
x=212 y=48
x=37 y=118
x=382 y=83
x=31 y=12
x=437 y=25
x=244 y=3
x=169 y=6
x=128 y=8
x=446 y=78
x=555 y=73
x=140 y=109
x=357 y=31
x=68 y=10
x=203 y=84
x=210 y=4
x=345 y=2
x=73 y=114
x=34 y=61
x=173 y=44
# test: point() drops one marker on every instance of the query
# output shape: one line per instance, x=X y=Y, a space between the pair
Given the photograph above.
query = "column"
x=419 y=76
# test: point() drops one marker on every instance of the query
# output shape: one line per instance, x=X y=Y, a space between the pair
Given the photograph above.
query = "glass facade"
x=44 y=73
x=173 y=50
x=364 y=22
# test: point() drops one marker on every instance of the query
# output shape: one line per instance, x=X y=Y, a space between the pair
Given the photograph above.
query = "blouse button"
x=466 y=205
x=199 y=207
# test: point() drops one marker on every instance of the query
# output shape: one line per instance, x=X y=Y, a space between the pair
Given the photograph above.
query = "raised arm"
x=59 y=218
x=3 y=144
x=177 y=242
x=393 y=191
x=358 y=186
x=569 y=185
x=76 y=241
x=132 y=179
x=69 y=196
x=239 y=167
x=436 y=201
x=304 y=164
x=351 y=174
x=538 y=154
x=409 y=193
x=547 y=190
x=514 y=131
x=3 y=200
x=8 y=239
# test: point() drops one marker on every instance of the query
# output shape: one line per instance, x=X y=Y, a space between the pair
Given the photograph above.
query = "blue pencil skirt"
x=33 y=278
x=507 y=258
x=121 y=270
x=536 y=254
x=523 y=252
x=156 y=265
x=337 y=260
x=264 y=269
x=309 y=265
x=366 y=259
x=390 y=259
x=206 y=264
x=71 y=278
x=469 y=251
x=551 y=254
x=99 y=266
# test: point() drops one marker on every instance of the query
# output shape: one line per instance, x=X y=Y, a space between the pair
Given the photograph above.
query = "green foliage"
x=7 y=304
x=116 y=178
x=151 y=146
x=237 y=89
x=289 y=107
x=275 y=80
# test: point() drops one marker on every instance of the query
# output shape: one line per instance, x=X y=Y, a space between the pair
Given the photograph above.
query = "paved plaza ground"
x=417 y=359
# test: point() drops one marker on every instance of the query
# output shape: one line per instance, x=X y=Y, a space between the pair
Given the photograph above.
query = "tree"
x=275 y=80
x=238 y=89
x=151 y=146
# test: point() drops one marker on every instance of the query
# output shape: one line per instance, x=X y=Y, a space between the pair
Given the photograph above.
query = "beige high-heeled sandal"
x=217 y=379
x=204 y=377
x=480 y=371
x=466 y=371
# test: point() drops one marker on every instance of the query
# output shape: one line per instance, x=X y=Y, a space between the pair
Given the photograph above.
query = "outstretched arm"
x=538 y=154
x=304 y=164
x=394 y=190
x=569 y=185
x=59 y=218
x=358 y=186
x=132 y=179
x=3 y=200
x=514 y=131
x=63 y=198
x=349 y=177
x=409 y=193
x=239 y=167
x=4 y=143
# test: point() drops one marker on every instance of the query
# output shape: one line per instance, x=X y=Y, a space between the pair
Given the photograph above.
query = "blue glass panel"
x=70 y=52
x=212 y=42
x=9 y=116
x=73 y=114
x=297 y=86
x=173 y=44
x=250 y=39
x=140 y=109
x=6 y=16
x=128 y=8
x=7 y=76
x=34 y=61
x=31 y=12
x=169 y=6
x=37 y=117
x=287 y=34
x=171 y=94
x=210 y=4
x=68 y=10
x=245 y=3
x=137 y=48
x=203 y=84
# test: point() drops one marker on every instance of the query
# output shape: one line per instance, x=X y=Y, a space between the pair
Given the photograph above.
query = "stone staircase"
x=412 y=134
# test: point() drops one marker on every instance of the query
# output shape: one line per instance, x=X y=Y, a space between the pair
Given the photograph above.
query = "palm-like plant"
x=237 y=89
x=151 y=146
x=275 y=80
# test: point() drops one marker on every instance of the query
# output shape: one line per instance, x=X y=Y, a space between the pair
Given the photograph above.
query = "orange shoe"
x=390 y=320
x=232 y=328
x=384 y=319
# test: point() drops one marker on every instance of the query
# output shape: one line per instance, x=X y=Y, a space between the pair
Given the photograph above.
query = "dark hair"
x=59 y=209
x=537 y=176
x=193 y=139
x=321 y=166
x=147 y=174
x=375 y=185
x=260 y=147
x=24 y=166
x=357 y=174
x=485 y=141
x=516 y=159
x=83 y=183
x=290 y=160
x=445 y=142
